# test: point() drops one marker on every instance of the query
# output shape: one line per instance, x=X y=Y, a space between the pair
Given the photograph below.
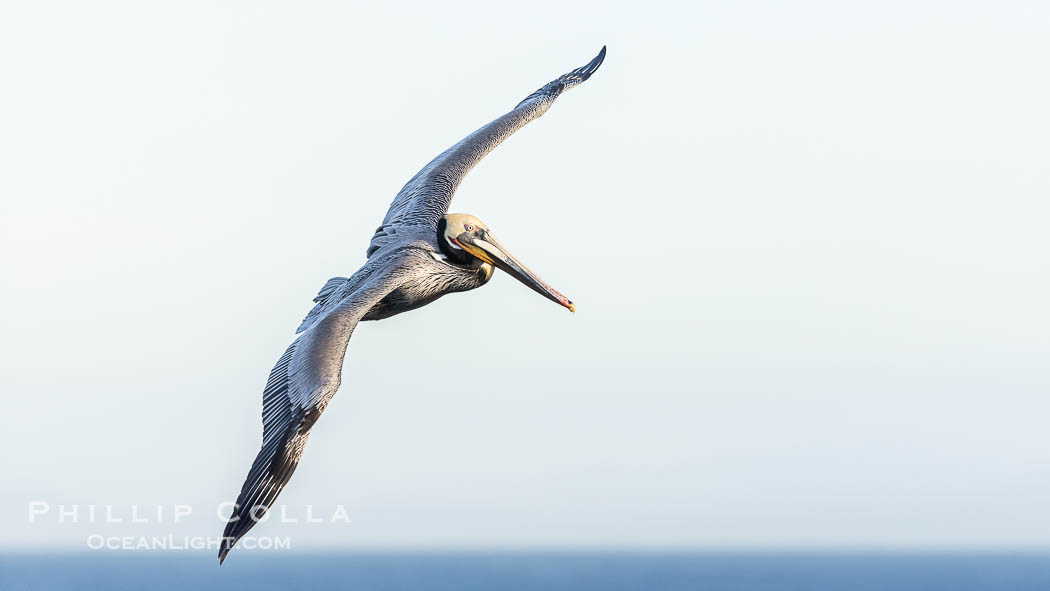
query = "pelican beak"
x=484 y=246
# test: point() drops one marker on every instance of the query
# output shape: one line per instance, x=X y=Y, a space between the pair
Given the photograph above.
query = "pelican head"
x=465 y=238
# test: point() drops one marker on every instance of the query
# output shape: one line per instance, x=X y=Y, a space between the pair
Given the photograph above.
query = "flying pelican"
x=419 y=254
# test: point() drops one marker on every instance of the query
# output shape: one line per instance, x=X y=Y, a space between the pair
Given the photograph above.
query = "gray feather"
x=426 y=197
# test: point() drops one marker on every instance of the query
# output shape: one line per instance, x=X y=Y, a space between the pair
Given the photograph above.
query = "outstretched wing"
x=300 y=387
x=426 y=197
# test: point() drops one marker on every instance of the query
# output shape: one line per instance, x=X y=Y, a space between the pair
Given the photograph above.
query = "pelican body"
x=418 y=254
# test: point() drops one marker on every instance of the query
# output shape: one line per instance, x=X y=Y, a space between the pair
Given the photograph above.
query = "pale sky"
x=808 y=243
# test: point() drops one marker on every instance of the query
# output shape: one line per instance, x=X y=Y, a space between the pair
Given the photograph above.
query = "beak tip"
x=571 y=306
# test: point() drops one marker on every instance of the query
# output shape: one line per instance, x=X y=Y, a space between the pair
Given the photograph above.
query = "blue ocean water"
x=577 y=571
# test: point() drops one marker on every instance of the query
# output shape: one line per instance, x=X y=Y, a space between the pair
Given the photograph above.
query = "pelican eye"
x=468 y=228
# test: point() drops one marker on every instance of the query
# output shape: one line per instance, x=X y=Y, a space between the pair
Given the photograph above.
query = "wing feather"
x=301 y=384
x=426 y=197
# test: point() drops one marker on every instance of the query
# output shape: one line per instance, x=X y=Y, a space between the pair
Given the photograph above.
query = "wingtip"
x=225 y=545
x=595 y=63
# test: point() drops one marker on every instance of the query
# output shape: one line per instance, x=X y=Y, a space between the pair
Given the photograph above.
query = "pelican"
x=417 y=255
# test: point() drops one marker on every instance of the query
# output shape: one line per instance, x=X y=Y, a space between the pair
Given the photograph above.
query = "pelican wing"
x=302 y=383
x=426 y=197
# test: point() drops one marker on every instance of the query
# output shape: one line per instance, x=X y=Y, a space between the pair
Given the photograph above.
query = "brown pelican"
x=417 y=255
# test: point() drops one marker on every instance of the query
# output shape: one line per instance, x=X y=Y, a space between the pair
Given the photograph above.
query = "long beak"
x=488 y=249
